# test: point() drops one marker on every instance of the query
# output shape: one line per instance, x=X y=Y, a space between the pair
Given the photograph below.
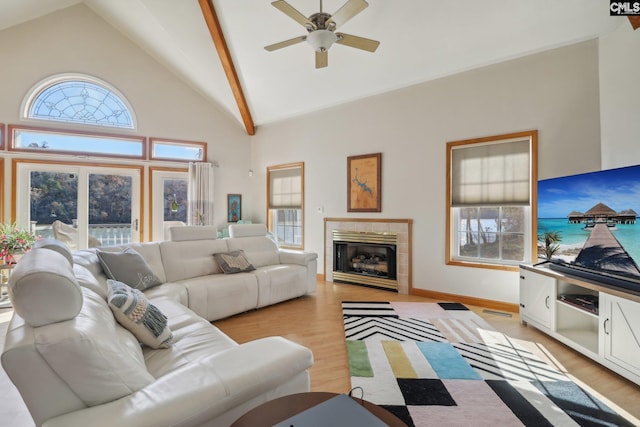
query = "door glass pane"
x=53 y=209
x=175 y=200
x=168 y=201
x=110 y=219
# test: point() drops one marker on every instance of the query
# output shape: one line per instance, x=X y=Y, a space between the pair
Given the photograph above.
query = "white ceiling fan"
x=321 y=29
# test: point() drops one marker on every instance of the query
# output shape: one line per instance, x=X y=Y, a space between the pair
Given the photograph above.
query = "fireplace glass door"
x=366 y=259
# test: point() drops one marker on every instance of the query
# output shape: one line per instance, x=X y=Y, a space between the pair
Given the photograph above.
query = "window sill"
x=483 y=265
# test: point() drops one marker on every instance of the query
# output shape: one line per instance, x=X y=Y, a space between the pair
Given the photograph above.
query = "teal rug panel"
x=447 y=362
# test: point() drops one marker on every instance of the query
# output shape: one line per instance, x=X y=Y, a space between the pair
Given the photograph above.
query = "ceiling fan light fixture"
x=321 y=40
x=321 y=29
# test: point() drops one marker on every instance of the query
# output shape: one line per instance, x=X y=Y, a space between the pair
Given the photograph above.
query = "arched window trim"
x=44 y=84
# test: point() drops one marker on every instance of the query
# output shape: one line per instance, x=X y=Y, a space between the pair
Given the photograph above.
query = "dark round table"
x=276 y=410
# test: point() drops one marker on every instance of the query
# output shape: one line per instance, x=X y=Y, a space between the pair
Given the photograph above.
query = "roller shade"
x=491 y=174
x=285 y=188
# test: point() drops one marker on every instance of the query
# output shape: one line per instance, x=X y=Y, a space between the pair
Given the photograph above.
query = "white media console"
x=600 y=321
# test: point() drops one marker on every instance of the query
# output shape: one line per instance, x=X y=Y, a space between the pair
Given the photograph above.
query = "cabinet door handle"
x=546 y=301
x=605 y=326
x=522 y=277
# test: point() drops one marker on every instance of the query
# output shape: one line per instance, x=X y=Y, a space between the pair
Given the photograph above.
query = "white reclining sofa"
x=74 y=345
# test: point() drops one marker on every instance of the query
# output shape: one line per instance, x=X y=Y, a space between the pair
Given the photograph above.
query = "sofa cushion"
x=278 y=283
x=143 y=319
x=193 y=340
x=247 y=230
x=184 y=260
x=89 y=260
x=193 y=232
x=233 y=262
x=43 y=288
x=222 y=295
x=93 y=355
x=128 y=267
x=171 y=290
x=260 y=251
x=87 y=280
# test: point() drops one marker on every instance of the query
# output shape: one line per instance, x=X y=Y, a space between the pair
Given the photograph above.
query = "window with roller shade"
x=491 y=199
x=285 y=198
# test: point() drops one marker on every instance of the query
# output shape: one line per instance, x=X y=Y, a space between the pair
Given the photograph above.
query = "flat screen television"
x=588 y=225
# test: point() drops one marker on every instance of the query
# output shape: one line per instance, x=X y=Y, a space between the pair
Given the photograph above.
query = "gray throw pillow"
x=128 y=267
x=233 y=262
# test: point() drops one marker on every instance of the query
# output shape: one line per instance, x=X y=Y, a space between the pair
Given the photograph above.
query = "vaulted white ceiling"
x=420 y=40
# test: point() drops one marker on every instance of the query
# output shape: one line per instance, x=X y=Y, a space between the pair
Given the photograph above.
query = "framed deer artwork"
x=364 y=177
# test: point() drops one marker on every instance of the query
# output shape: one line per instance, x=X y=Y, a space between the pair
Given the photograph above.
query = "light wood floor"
x=316 y=322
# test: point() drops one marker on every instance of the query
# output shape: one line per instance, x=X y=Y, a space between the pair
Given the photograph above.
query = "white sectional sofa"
x=75 y=364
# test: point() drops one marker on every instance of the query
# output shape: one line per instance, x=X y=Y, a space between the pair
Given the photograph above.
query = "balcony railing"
x=104 y=234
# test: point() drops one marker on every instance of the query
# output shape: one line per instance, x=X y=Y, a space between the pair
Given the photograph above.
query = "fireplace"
x=400 y=227
x=368 y=258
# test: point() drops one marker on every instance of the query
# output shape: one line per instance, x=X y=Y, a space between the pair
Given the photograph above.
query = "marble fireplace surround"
x=403 y=227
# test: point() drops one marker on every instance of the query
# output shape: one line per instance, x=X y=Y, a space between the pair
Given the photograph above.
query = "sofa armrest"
x=305 y=259
x=295 y=257
x=202 y=390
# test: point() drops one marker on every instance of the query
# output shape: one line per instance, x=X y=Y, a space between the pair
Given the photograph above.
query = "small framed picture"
x=234 y=207
x=364 y=192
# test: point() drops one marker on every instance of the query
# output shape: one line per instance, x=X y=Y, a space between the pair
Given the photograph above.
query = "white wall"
x=620 y=97
x=554 y=92
x=77 y=40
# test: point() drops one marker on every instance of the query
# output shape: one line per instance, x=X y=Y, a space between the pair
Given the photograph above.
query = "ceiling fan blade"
x=322 y=59
x=285 y=43
x=357 y=42
x=348 y=10
x=292 y=13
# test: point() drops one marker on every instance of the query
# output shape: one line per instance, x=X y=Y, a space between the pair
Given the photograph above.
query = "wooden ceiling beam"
x=213 y=23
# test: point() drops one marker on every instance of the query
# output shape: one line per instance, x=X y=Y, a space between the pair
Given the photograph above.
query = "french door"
x=82 y=206
x=168 y=201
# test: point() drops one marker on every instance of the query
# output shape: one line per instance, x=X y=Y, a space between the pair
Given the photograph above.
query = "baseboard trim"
x=481 y=302
x=320 y=277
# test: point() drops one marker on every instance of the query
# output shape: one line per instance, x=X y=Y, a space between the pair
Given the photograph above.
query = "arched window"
x=79 y=99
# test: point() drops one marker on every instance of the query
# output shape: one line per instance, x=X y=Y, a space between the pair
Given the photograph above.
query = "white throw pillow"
x=135 y=313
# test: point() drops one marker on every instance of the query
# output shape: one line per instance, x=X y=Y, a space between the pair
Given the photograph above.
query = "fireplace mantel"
x=403 y=228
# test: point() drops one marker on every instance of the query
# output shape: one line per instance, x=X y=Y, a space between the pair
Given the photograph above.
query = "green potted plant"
x=14 y=241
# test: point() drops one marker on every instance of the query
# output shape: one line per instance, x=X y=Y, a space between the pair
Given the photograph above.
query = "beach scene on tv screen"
x=591 y=220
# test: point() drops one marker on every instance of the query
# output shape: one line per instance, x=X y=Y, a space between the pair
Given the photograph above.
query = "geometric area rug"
x=440 y=364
